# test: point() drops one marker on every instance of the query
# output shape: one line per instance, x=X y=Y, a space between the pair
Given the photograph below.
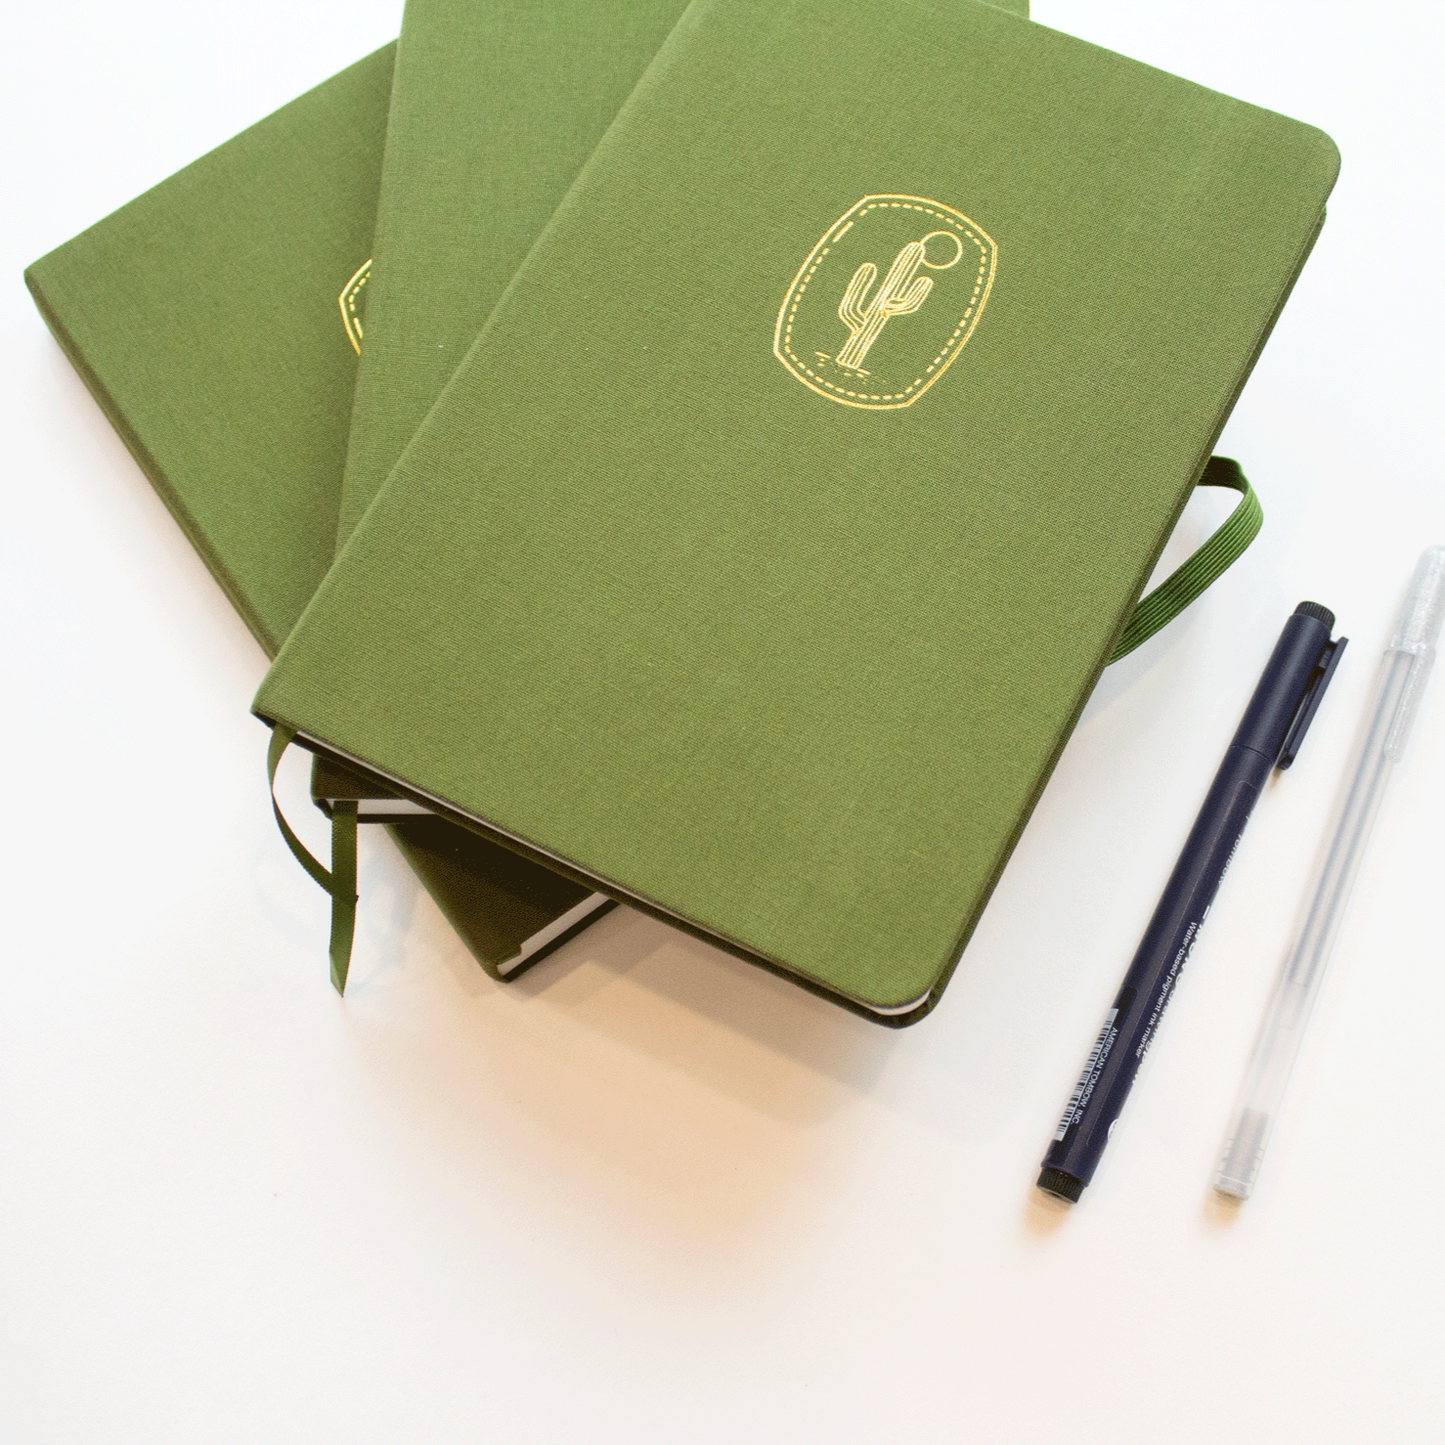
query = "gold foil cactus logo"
x=882 y=344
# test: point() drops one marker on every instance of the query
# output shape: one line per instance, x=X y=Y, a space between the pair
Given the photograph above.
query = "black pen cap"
x=1329 y=659
x=1292 y=670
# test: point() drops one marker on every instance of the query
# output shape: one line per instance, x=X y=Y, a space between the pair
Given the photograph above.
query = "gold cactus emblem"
x=941 y=274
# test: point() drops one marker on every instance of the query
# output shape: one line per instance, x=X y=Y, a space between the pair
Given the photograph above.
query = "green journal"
x=758 y=561
x=204 y=318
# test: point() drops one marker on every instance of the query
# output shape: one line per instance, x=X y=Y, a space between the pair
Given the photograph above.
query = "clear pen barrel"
x=1398 y=691
x=1294 y=994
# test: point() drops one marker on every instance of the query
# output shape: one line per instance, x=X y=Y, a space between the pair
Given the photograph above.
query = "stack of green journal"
x=703 y=455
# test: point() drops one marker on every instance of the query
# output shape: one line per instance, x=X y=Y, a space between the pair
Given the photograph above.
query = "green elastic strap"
x=1183 y=585
x=340 y=882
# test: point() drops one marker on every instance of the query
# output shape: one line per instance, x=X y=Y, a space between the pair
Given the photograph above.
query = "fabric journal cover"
x=759 y=560
x=204 y=318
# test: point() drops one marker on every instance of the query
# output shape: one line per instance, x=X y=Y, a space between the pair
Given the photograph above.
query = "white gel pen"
x=1402 y=678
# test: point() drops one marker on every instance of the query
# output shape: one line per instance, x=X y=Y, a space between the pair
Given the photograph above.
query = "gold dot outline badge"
x=879 y=344
x=350 y=295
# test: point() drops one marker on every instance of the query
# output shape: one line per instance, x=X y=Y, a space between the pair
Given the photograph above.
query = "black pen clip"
x=1309 y=704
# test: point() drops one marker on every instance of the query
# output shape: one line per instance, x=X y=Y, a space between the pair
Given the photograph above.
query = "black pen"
x=1274 y=724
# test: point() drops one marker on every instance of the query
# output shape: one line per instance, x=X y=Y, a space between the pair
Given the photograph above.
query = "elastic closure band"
x=340 y=881
x=1186 y=582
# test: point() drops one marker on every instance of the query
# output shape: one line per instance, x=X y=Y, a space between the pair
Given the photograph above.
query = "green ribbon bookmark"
x=340 y=881
x=1186 y=582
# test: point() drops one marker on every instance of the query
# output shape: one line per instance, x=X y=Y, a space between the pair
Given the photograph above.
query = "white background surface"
x=648 y=1194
